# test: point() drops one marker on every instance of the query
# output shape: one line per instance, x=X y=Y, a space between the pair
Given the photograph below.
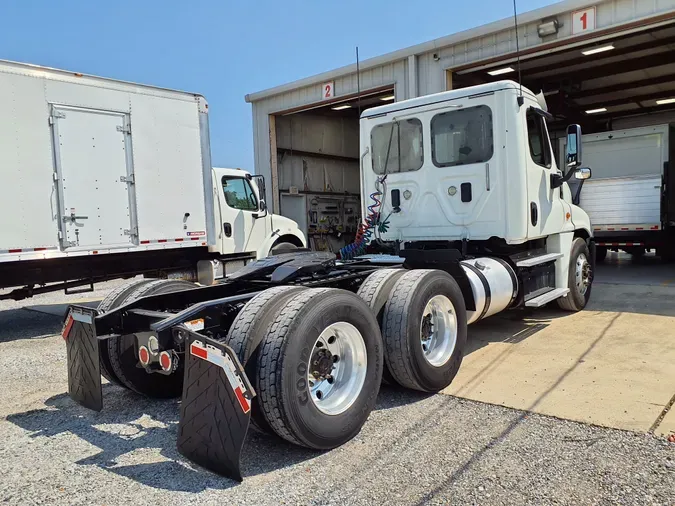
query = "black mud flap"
x=216 y=407
x=84 y=368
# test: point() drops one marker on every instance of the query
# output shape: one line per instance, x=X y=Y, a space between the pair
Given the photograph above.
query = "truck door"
x=546 y=214
x=92 y=153
x=242 y=229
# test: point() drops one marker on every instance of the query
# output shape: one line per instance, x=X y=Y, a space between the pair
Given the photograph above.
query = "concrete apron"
x=611 y=365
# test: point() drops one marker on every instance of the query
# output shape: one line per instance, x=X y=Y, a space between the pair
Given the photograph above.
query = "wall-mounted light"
x=387 y=98
x=596 y=111
x=499 y=72
x=340 y=107
x=548 y=28
x=665 y=101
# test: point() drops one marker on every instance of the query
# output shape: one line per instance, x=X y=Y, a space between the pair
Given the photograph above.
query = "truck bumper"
x=216 y=403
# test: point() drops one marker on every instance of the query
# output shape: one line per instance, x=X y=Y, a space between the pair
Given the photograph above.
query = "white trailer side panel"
x=28 y=206
x=165 y=153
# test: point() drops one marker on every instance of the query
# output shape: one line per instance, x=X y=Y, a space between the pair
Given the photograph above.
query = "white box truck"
x=107 y=179
x=631 y=198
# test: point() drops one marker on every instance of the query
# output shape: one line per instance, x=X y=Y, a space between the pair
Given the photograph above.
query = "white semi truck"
x=479 y=219
x=106 y=179
x=631 y=199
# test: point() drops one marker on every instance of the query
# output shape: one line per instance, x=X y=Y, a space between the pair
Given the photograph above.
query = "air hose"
x=366 y=229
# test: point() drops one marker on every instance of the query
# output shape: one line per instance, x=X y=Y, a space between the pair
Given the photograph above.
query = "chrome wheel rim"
x=438 y=330
x=582 y=274
x=336 y=370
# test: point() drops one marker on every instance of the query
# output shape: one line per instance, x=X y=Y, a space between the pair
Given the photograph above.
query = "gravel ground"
x=415 y=449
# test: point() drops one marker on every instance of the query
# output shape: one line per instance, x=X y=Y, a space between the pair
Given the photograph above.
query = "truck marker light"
x=165 y=361
x=143 y=355
x=67 y=326
x=225 y=363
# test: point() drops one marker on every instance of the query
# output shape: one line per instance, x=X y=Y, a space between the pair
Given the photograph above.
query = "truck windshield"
x=239 y=194
x=462 y=137
x=397 y=146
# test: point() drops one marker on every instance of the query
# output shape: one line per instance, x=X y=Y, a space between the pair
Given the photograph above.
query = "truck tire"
x=283 y=247
x=418 y=356
x=600 y=253
x=111 y=301
x=248 y=330
x=375 y=291
x=580 y=278
x=326 y=409
x=122 y=350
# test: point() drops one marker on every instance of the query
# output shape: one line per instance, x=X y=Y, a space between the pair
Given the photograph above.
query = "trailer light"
x=143 y=355
x=596 y=50
x=499 y=72
x=165 y=361
x=596 y=111
x=340 y=107
x=665 y=101
x=387 y=98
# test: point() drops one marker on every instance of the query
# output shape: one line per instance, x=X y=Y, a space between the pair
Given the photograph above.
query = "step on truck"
x=479 y=219
x=108 y=179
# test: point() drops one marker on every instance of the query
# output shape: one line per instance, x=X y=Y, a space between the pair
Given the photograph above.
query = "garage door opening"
x=621 y=90
x=318 y=168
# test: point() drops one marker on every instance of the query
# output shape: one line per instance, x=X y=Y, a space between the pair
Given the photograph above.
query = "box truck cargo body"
x=630 y=198
x=99 y=168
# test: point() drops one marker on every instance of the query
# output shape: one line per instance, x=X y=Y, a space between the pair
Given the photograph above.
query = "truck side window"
x=462 y=137
x=540 y=148
x=239 y=194
x=397 y=146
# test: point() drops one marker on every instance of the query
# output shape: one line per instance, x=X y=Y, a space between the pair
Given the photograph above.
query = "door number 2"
x=327 y=90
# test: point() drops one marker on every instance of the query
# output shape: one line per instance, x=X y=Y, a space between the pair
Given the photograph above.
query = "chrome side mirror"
x=582 y=173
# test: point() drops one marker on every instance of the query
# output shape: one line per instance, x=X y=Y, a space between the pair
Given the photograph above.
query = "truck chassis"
x=219 y=346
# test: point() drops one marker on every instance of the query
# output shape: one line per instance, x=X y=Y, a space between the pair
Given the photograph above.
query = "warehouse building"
x=607 y=65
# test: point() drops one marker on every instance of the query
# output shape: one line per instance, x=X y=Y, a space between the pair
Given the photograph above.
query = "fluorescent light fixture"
x=665 y=101
x=387 y=98
x=597 y=50
x=596 y=111
x=340 y=107
x=499 y=72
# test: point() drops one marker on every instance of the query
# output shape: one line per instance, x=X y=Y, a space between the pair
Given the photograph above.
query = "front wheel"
x=579 y=279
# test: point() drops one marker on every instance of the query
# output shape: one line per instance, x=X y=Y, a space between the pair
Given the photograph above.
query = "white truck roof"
x=445 y=96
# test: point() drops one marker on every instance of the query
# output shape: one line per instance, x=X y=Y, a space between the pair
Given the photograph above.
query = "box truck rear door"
x=95 y=180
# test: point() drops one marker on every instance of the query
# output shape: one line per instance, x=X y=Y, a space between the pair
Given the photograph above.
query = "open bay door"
x=94 y=177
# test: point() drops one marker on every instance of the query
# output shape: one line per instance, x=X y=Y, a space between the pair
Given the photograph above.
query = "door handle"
x=72 y=218
x=227 y=228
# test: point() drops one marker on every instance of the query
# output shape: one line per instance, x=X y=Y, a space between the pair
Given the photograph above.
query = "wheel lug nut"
x=336 y=359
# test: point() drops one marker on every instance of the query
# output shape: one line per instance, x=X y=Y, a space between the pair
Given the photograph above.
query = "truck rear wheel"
x=424 y=330
x=319 y=368
x=375 y=291
x=122 y=350
x=248 y=330
x=113 y=300
x=580 y=278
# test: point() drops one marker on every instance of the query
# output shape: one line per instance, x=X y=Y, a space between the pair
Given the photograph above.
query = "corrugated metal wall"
x=425 y=73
